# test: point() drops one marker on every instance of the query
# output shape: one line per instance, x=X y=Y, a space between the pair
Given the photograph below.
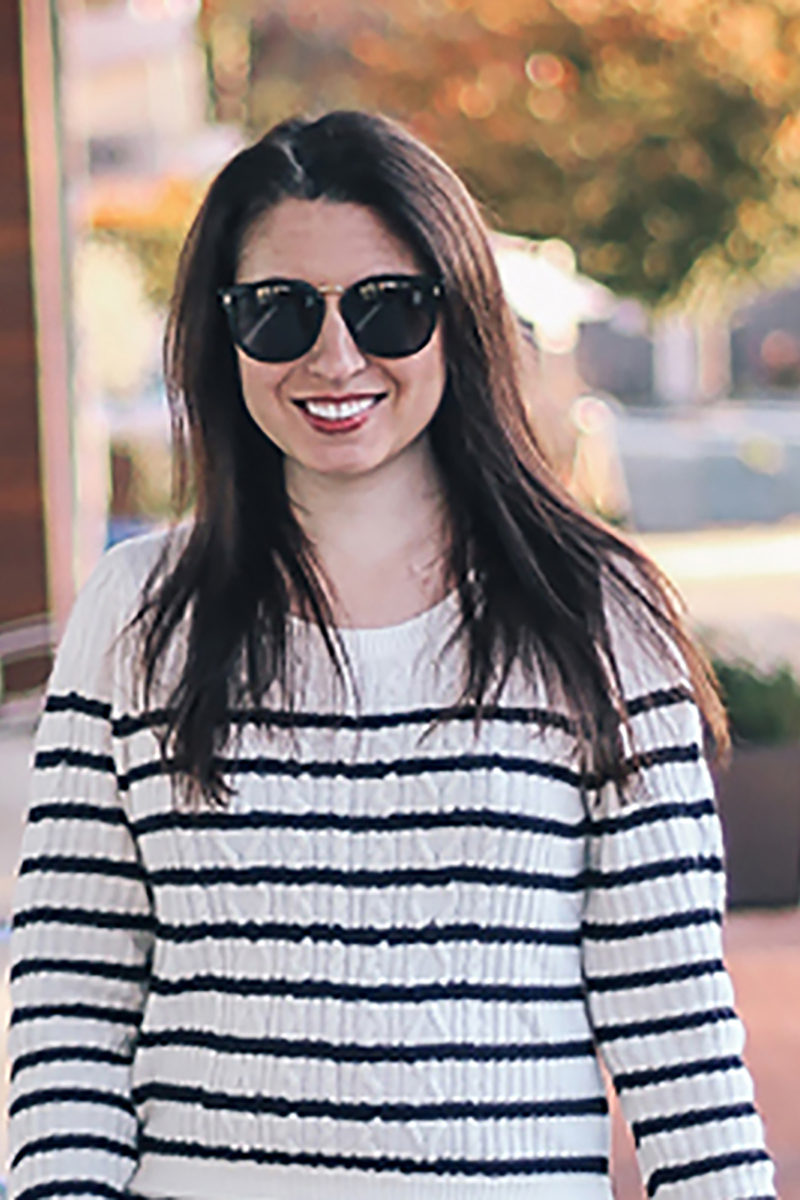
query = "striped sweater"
x=392 y=967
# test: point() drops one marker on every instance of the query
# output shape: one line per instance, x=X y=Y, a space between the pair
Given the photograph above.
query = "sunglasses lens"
x=390 y=318
x=276 y=322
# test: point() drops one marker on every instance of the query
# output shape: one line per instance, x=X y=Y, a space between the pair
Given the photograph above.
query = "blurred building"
x=666 y=457
x=616 y=355
x=765 y=345
x=139 y=145
x=757 y=353
x=137 y=127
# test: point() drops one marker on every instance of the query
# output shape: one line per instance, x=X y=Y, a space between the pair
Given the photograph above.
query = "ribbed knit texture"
x=385 y=971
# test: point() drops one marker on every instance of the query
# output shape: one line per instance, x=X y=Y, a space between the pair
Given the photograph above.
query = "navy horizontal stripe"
x=257 y=1104
x=72 y=810
x=220 y=820
x=359 y=1053
x=662 y=755
x=673 y=1024
x=127 y=724
x=80 y=1011
x=72 y=1187
x=256 y=931
x=267 y=718
x=690 y=1119
x=68 y=756
x=660 y=698
x=51 y=1054
x=676 y=973
x=92 y=918
x=364 y=877
x=98 y=968
x=75 y=702
x=718 y=1162
x=74 y=864
x=401 y=767
x=71 y=1095
x=73 y=1141
x=683 y=1070
x=663 y=869
x=598 y=931
x=654 y=814
x=378 y=993
x=408 y=767
x=495 y=1168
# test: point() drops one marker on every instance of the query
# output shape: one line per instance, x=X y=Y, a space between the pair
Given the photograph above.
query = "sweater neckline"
x=385 y=639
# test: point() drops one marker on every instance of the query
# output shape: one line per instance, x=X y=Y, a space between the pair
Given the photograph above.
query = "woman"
x=382 y=808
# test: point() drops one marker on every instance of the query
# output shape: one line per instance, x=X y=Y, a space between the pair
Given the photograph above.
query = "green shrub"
x=763 y=706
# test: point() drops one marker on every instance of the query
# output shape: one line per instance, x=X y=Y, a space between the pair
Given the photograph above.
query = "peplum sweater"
x=394 y=966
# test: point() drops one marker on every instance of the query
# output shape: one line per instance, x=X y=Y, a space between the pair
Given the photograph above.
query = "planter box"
x=759 y=805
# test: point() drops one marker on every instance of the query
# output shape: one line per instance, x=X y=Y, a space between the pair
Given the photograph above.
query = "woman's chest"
x=370 y=821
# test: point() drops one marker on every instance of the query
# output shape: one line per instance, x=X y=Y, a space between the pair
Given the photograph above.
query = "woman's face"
x=329 y=244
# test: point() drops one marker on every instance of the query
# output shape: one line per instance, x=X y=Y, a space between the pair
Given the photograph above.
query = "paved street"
x=741 y=585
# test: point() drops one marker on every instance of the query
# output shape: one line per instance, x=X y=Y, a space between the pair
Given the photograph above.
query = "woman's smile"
x=338 y=414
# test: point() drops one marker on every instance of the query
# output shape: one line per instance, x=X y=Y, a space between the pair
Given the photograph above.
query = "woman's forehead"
x=324 y=241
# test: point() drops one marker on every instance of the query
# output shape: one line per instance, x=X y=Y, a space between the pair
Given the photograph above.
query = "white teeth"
x=332 y=410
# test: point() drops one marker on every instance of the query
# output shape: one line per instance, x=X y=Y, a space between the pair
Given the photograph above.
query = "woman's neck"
x=381 y=538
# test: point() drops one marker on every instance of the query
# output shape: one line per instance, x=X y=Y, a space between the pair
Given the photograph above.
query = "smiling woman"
x=371 y=808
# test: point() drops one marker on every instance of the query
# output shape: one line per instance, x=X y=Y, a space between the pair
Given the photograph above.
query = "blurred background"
x=639 y=161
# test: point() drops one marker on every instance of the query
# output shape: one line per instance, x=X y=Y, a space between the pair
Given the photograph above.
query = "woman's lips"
x=338 y=414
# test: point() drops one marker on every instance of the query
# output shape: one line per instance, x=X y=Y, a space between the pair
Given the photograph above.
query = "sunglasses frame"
x=431 y=285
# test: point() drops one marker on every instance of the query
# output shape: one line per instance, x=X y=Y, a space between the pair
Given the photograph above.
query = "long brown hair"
x=536 y=576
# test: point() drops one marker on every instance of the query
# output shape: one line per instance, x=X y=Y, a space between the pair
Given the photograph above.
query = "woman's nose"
x=335 y=354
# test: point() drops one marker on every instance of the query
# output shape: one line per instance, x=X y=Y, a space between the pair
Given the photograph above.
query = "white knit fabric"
x=385 y=970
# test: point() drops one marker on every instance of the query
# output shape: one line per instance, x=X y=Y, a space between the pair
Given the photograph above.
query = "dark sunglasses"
x=277 y=320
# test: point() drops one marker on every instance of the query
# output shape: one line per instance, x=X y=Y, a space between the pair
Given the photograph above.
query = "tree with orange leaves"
x=659 y=137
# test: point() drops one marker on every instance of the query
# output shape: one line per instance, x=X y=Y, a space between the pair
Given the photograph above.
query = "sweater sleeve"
x=82 y=928
x=660 y=998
